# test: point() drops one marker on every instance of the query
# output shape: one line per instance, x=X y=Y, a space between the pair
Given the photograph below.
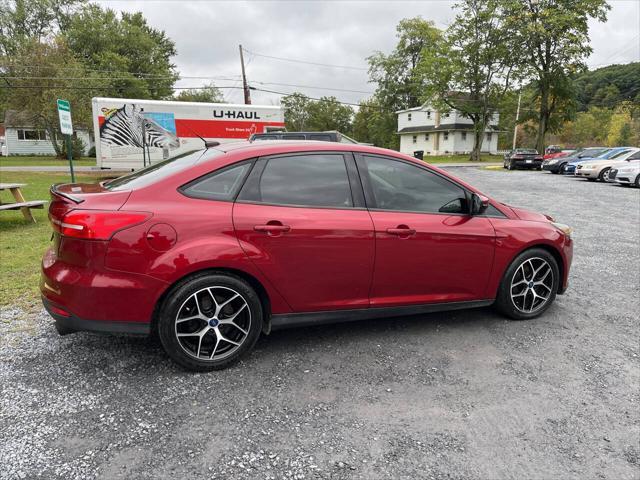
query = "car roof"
x=286 y=146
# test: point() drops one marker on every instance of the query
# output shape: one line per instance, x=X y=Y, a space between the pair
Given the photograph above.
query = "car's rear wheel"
x=510 y=165
x=604 y=175
x=529 y=285
x=210 y=321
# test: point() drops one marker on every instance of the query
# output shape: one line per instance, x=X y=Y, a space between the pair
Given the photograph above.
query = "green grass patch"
x=22 y=243
x=44 y=161
x=460 y=158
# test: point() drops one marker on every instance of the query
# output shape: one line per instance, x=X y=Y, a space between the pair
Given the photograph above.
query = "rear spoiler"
x=55 y=191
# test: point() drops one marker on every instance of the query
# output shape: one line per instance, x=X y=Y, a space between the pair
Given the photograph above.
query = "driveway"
x=457 y=395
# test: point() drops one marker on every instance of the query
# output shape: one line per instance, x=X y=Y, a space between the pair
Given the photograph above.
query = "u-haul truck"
x=130 y=133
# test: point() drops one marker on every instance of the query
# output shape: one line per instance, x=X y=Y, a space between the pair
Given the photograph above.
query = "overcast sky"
x=207 y=34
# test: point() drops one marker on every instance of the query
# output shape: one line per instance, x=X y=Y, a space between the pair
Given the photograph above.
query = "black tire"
x=637 y=182
x=562 y=168
x=178 y=299
x=510 y=165
x=504 y=302
x=604 y=175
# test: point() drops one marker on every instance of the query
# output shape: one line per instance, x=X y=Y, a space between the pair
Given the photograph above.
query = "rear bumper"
x=524 y=164
x=72 y=324
x=95 y=299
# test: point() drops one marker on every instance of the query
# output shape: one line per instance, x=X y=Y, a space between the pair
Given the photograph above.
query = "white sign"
x=64 y=114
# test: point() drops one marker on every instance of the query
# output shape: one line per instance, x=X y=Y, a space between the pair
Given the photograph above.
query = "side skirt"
x=290 y=320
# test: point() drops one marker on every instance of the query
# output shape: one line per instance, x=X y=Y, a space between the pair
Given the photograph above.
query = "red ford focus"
x=212 y=248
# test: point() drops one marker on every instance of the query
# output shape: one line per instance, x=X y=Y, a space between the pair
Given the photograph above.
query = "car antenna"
x=207 y=143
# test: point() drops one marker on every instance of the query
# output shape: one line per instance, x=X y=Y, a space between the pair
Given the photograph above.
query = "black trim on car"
x=290 y=320
x=66 y=325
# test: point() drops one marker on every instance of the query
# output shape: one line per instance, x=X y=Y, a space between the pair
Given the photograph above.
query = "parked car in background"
x=558 y=164
x=554 y=151
x=627 y=174
x=213 y=248
x=599 y=169
x=523 y=158
x=328 y=136
x=570 y=168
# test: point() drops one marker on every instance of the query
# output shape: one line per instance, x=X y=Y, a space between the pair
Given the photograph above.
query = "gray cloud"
x=207 y=34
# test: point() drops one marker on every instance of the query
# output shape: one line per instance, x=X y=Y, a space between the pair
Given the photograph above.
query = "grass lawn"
x=460 y=158
x=21 y=243
x=43 y=161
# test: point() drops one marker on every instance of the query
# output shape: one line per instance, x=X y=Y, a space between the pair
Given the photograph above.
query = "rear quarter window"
x=159 y=171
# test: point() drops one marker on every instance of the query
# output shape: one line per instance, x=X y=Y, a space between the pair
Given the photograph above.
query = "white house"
x=21 y=137
x=434 y=133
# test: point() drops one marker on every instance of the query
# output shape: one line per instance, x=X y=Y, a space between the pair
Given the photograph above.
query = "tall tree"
x=207 y=94
x=35 y=98
x=398 y=78
x=554 y=35
x=132 y=57
x=26 y=20
x=471 y=69
x=371 y=124
x=328 y=114
x=296 y=111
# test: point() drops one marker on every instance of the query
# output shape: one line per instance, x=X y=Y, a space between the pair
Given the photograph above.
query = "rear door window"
x=311 y=180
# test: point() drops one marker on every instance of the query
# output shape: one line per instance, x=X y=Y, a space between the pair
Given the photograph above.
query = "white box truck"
x=130 y=133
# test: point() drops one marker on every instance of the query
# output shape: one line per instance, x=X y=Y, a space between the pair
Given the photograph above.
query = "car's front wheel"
x=210 y=321
x=604 y=175
x=529 y=285
x=637 y=182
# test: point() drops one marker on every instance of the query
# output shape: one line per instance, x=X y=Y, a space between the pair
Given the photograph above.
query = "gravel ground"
x=454 y=395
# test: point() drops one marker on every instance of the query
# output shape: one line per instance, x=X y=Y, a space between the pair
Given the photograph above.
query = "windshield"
x=526 y=150
x=611 y=154
x=157 y=171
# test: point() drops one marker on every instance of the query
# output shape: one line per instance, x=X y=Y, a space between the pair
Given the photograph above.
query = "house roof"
x=13 y=118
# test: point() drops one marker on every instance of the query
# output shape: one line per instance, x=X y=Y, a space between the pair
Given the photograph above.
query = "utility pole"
x=515 y=129
x=245 y=87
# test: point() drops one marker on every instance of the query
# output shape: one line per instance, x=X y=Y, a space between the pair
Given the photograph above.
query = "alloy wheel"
x=531 y=285
x=213 y=323
x=605 y=175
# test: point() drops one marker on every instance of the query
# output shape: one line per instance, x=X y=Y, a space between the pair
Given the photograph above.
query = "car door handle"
x=401 y=230
x=269 y=228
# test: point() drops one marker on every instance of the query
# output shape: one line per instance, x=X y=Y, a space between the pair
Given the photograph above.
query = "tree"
x=296 y=111
x=470 y=70
x=26 y=20
x=328 y=114
x=35 y=98
x=133 y=58
x=554 y=35
x=371 y=124
x=398 y=78
x=207 y=94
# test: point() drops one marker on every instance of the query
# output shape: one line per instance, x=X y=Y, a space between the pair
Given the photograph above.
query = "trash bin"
x=419 y=154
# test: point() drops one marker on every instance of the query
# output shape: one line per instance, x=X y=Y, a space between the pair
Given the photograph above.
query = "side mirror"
x=479 y=203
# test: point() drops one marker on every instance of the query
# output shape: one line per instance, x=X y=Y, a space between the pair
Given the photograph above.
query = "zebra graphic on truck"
x=123 y=127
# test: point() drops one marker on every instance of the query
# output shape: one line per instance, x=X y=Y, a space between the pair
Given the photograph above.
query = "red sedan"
x=212 y=248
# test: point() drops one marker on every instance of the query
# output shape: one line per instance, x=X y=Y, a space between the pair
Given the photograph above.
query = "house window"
x=426 y=137
x=464 y=135
x=445 y=115
x=408 y=117
x=24 y=134
x=488 y=137
x=429 y=114
x=415 y=138
x=446 y=135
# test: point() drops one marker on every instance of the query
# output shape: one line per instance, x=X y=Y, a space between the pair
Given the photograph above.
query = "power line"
x=293 y=60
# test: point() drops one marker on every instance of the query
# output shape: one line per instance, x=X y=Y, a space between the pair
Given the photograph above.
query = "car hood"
x=599 y=163
x=524 y=214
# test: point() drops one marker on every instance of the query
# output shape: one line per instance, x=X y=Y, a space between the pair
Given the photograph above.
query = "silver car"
x=628 y=174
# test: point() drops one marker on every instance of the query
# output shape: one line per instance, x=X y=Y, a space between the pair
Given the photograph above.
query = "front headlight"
x=566 y=229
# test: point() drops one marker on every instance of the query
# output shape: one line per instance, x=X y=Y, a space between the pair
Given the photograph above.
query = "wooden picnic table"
x=20 y=202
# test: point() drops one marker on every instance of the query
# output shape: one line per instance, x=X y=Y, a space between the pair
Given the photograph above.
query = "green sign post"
x=66 y=128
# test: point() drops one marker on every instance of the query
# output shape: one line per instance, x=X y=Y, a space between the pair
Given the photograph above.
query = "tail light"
x=95 y=224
